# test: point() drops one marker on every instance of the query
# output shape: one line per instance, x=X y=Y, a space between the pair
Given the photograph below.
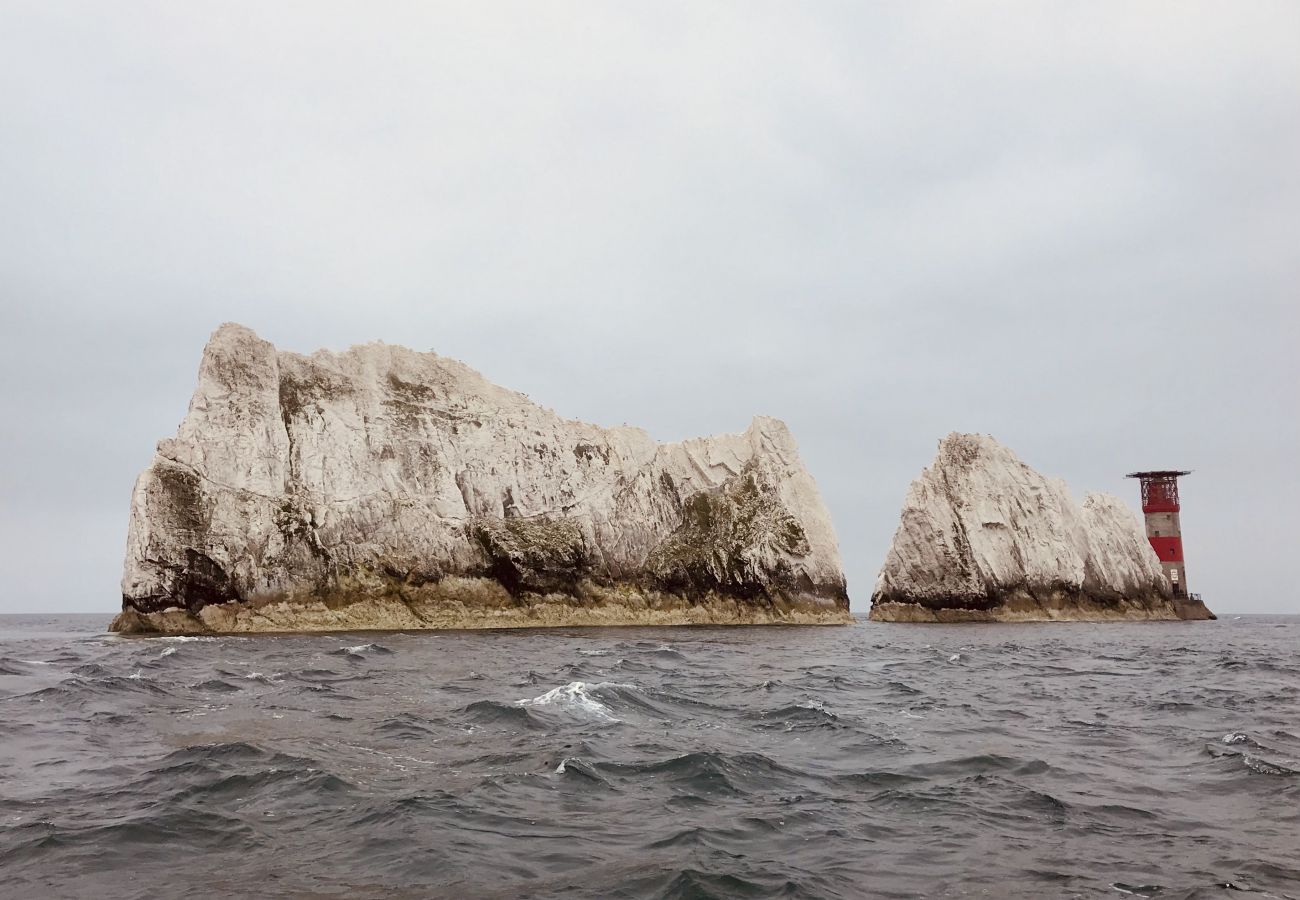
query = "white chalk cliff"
x=983 y=537
x=385 y=488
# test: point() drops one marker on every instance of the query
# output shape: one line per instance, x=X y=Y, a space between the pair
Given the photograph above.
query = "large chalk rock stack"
x=386 y=488
x=983 y=537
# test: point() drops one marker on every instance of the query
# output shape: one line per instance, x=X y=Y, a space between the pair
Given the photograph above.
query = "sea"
x=874 y=760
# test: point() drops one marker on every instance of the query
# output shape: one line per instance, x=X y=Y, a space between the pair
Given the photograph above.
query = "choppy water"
x=872 y=761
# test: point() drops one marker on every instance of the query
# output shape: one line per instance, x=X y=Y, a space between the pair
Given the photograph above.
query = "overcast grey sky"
x=1075 y=226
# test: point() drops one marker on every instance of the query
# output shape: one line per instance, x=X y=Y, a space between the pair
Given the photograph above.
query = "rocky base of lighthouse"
x=1024 y=605
x=1192 y=609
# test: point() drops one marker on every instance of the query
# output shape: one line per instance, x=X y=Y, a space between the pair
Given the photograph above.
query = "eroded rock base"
x=1057 y=606
x=477 y=603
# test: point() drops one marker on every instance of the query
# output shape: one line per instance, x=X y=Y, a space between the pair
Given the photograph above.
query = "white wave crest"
x=575 y=697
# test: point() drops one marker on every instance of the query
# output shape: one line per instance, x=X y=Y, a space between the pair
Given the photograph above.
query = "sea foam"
x=575 y=697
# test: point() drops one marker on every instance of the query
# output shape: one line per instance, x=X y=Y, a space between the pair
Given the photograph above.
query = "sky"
x=1073 y=226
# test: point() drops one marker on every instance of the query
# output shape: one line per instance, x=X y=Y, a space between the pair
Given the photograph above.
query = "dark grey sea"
x=1070 y=760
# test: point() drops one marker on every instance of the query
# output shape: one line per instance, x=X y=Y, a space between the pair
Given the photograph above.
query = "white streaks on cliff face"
x=978 y=522
x=1119 y=554
x=293 y=473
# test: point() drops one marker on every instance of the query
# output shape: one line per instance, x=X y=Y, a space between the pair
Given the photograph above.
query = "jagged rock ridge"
x=385 y=488
x=983 y=537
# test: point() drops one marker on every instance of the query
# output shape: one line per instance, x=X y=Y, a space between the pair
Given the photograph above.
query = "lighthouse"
x=1164 y=531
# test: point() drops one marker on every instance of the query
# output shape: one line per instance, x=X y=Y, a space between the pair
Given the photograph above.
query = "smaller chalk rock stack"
x=985 y=538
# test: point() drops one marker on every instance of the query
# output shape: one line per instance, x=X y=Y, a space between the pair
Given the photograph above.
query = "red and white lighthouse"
x=1164 y=530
